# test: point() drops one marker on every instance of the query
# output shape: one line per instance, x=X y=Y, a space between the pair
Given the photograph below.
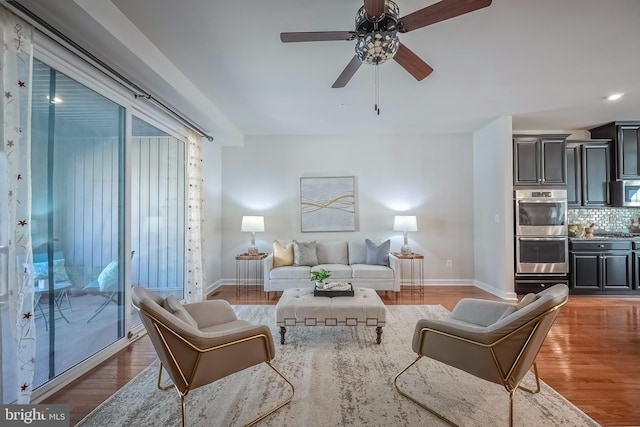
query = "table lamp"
x=252 y=224
x=405 y=223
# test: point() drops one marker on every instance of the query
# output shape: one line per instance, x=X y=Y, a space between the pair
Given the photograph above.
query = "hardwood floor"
x=591 y=355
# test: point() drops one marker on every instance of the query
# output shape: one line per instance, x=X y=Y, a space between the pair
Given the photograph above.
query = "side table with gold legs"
x=416 y=270
x=249 y=272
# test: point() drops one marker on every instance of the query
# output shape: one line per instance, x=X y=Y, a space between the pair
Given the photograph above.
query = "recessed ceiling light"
x=614 y=96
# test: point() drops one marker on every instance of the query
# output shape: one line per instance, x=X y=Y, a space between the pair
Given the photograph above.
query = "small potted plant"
x=320 y=276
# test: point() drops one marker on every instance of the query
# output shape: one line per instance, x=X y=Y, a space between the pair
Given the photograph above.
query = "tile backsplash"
x=606 y=219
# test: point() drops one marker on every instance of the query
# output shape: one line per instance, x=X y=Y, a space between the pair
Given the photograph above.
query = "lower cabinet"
x=598 y=266
x=536 y=284
x=636 y=265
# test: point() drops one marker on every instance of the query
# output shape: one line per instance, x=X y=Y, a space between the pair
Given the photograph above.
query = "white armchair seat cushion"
x=292 y=272
x=366 y=271
x=338 y=271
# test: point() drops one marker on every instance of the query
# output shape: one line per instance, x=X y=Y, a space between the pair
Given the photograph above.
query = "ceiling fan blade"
x=348 y=72
x=437 y=12
x=374 y=8
x=412 y=62
x=317 y=36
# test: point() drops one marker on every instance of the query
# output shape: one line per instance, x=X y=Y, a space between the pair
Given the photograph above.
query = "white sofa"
x=346 y=260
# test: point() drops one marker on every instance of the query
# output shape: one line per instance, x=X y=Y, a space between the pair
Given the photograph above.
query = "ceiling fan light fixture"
x=378 y=47
x=378 y=23
x=377 y=36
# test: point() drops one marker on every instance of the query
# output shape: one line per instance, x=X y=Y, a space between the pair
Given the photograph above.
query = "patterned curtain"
x=195 y=275
x=18 y=325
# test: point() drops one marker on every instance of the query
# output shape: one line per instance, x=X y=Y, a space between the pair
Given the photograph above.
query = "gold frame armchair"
x=202 y=342
x=492 y=340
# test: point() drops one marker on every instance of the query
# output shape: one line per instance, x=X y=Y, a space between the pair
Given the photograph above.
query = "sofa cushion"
x=332 y=252
x=377 y=255
x=282 y=253
x=338 y=271
x=366 y=271
x=304 y=253
x=291 y=272
x=356 y=252
x=173 y=306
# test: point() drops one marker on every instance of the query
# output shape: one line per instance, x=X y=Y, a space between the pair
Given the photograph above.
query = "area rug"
x=342 y=378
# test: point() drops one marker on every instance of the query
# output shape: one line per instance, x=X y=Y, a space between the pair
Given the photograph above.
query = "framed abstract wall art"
x=328 y=204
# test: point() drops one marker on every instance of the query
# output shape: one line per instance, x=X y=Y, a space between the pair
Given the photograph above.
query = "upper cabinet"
x=626 y=139
x=588 y=172
x=539 y=160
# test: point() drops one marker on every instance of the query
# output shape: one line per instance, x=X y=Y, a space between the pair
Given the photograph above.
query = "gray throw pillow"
x=304 y=253
x=377 y=255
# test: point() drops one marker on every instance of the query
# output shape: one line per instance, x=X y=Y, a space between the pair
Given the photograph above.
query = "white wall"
x=426 y=175
x=493 y=207
x=212 y=213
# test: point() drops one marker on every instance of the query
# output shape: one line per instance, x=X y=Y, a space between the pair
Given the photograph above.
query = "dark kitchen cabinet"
x=533 y=284
x=636 y=265
x=600 y=266
x=626 y=138
x=539 y=160
x=588 y=172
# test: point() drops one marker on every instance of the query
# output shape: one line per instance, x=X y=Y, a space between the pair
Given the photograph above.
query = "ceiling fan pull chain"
x=377 y=90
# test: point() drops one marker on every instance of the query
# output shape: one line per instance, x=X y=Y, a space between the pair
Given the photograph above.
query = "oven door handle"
x=535 y=239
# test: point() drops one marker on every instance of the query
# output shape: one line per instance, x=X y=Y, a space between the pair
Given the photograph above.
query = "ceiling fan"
x=376 y=34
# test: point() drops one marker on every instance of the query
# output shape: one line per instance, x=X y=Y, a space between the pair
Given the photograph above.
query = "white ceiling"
x=547 y=63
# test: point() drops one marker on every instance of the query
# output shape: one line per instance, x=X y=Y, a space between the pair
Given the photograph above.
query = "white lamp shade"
x=405 y=223
x=252 y=223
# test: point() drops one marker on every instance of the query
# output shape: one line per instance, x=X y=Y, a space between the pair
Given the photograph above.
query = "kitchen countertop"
x=608 y=236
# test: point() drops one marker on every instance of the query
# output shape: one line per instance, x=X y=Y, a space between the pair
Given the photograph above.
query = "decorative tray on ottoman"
x=334 y=289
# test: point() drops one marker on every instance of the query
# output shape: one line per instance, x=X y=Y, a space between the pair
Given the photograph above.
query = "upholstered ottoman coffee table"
x=299 y=307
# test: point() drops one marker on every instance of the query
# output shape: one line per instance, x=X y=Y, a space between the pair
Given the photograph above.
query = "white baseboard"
x=448 y=282
x=511 y=296
x=213 y=286
x=472 y=282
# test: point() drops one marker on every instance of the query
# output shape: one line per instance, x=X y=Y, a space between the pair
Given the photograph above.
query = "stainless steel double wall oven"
x=542 y=243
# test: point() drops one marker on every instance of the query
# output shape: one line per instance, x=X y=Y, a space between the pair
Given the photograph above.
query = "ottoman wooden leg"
x=283 y=330
x=378 y=334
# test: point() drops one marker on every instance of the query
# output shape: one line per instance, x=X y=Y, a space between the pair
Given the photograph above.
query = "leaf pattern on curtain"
x=195 y=276
x=15 y=145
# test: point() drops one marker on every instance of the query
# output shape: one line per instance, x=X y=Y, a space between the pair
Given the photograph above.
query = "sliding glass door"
x=89 y=222
x=158 y=200
x=78 y=169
